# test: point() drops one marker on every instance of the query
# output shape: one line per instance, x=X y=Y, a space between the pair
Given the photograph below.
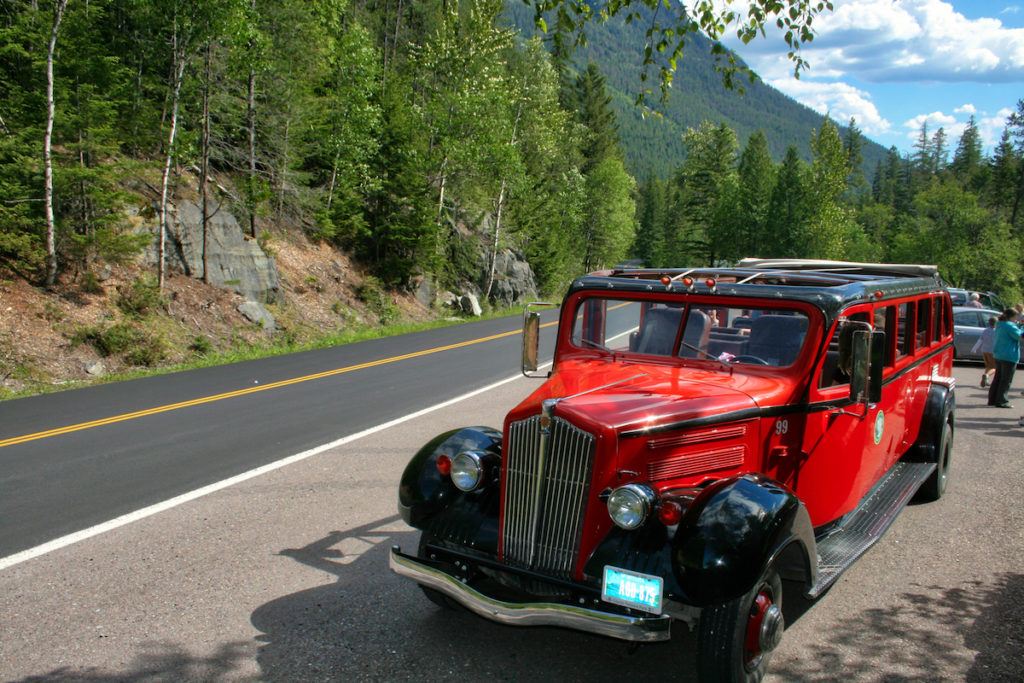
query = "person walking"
x=1006 y=350
x=984 y=346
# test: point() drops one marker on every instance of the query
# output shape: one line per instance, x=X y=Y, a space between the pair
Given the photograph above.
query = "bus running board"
x=865 y=525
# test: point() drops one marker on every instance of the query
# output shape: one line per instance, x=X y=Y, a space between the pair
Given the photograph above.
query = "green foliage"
x=649 y=246
x=703 y=188
x=90 y=284
x=126 y=339
x=372 y=293
x=200 y=345
x=609 y=221
x=654 y=140
x=139 y=297
x=109 y=340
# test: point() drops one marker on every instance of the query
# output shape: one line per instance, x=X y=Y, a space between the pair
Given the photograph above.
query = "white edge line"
x=126 y=519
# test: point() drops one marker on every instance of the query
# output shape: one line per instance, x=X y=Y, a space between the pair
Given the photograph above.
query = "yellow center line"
x=250 y=390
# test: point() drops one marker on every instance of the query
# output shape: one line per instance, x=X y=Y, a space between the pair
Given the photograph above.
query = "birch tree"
x=51 y=240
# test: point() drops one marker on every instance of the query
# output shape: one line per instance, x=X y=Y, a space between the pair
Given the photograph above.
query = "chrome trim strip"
x=646 y=629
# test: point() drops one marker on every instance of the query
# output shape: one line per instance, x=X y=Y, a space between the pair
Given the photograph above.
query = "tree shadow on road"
x=160 y=662
x=912 y=640
x=371 y=624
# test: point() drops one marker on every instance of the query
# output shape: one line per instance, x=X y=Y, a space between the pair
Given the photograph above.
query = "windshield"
x=733 y=335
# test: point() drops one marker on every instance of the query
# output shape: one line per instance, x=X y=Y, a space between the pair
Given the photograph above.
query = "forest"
x=945 y=204
x=422 y=137
x=389 y=128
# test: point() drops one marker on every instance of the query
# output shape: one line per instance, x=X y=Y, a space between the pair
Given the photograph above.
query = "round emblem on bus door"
x=879 y=426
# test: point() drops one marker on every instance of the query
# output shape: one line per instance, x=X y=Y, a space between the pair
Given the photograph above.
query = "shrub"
x=111 y=340
x=140 y=297
x=149 y=350
x=90 y=283
x=200 y=345
x=372 y=293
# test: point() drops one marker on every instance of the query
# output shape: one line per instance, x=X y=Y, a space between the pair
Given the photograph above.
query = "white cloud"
x=966 y=109
x=1010 y=9
x=903 y=40
x=935 y=120
x=991 y=127
x=841 y=100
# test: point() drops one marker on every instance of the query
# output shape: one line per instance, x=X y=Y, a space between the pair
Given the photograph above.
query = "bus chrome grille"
x=547 y=477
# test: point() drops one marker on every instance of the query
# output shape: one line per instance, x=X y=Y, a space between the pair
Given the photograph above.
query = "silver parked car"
x=968 y=322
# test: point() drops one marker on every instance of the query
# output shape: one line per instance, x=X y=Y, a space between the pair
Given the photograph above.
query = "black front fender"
x=429 y=501
x=733 y=531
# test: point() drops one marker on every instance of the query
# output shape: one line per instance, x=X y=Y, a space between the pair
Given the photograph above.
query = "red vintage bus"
x=703 y=434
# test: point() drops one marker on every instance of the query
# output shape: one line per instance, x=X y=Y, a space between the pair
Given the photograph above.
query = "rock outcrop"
x=235 y=262
x=514 y=281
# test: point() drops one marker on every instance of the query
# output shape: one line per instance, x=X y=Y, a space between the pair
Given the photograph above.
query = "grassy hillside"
x=655 y=143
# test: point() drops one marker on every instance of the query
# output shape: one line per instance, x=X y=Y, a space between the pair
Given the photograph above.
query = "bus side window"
x=924 y=320
x=885 y=321
x=902 y=336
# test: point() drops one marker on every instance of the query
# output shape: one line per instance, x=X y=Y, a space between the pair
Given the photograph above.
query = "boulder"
x=236 y=262
x=470 y=305
x=95 y=368
x=424 y=290
x=256 y=313
x=447 y=299
x=514 y=281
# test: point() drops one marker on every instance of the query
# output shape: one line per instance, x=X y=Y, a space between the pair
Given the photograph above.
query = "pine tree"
x=940 y=151
x=853 y=143
x=594 y=112
x=703 y=185
x=967 y=166
x=1016 y=127
x=1003 y=171
x=650 y=236
x=922 y=160
x=756 y=179
x=789 y=210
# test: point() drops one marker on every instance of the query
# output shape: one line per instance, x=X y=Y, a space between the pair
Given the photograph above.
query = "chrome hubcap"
x=772 y=626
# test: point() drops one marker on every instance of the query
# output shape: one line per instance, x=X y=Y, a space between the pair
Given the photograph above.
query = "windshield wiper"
x=594 y=344
x=709 y=356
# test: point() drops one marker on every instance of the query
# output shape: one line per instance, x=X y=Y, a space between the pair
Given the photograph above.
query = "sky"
x=893 y=64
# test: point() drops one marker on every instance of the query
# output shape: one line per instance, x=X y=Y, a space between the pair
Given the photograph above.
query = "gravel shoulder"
x=284 y=578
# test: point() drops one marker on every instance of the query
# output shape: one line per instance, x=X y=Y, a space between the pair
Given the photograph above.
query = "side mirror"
x=868 y=353
x=531 y=338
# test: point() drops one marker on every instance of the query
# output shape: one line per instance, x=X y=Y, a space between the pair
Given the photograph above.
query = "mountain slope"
x=655 y=144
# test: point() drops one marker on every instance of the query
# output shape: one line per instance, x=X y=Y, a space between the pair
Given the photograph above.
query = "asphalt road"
x=53 y=486
x=283 y=578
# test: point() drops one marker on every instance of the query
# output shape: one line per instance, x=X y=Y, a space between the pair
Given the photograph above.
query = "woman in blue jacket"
x=1007 y=354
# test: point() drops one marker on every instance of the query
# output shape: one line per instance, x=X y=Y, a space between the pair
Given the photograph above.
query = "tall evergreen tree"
x=703 y=185
x=1003 y=172
x=789 y=209
x=1016 y=127
x=853 y=143
x=967 y=165
x=940 y=151
x=594 y=112
x=650 y=235
x=755 y=181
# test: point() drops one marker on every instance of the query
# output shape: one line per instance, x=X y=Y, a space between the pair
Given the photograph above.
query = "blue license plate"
x=632 y=589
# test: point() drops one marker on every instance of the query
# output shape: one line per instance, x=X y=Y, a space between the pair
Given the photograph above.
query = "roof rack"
x=808 y=272
x=849 y=267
